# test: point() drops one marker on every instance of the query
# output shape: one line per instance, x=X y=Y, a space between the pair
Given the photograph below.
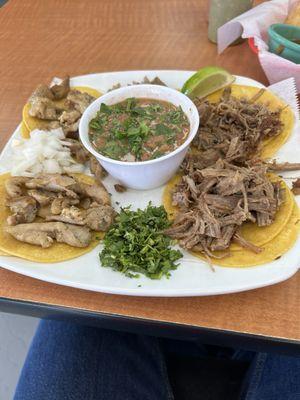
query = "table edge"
x=151 y=327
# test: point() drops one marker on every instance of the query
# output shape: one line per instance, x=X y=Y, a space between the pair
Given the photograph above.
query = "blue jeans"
x=73 y=362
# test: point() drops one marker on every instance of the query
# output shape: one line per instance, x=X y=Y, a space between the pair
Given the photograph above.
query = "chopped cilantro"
x=162 y=129
x=136 y=245
x=105 y=109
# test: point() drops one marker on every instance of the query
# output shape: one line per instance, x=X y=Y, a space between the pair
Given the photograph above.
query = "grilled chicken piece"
x=24 y=209
x=78 y=152
x=55 y=183
x=85 y=203
x=81 y=155
x=97 y=192
x=77 y=236
x=120 y=188
x=43 y=197
x=97 y=218
x=78 y=100
x=71 y=215
x=100 y=218
x=68 y=117
x=15 y=185
x=69 y=120
x=43 y=234
x=44 y=108
x=26 y=233
x=54 y=197
x=53 y=125
x=71 y=131
x=97 y=169
x=42 y=91
x=44 y=211
x=60 y=90
x=68 y=186
x=60 y=203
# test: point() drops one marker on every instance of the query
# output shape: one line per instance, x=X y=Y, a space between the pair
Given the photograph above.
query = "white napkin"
x=286 y=90
x=289 y=152
x=254 y=24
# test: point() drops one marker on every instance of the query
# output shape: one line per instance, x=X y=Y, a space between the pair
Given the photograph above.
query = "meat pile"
x=145 y=81
x=43 y=105
x=82 y=156
x=233 y=129
x=70 y=208
x=215 y=201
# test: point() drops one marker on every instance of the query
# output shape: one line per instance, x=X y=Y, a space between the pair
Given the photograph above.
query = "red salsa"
x=138 y=129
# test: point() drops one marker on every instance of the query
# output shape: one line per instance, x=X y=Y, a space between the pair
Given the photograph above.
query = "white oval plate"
x=193 y=277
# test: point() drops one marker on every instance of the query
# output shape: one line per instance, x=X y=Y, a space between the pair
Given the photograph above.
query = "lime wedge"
x=206 y=81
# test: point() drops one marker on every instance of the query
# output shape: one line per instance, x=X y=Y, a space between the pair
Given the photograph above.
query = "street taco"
x=271 y=251
x=258 y=236
x=57 y=106
x=226 y=211
x=50 y=205
x=241 y=122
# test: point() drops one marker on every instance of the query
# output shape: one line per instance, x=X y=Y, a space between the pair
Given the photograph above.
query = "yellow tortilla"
x=272 y=250
x=271 y=145
x=167 y=196
x=32 y=123
x=259 y=236
x=264 y=234
x=91 y=91
x=56 y=253
x=25 y=132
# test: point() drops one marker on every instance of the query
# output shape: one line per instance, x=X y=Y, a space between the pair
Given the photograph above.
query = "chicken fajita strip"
x=62 y=201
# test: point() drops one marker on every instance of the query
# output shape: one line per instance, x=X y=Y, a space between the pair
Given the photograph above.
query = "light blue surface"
x=281 y=41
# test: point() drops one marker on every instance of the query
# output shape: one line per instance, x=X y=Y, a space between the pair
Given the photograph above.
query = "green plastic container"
x=284 y=40
x=222 y=11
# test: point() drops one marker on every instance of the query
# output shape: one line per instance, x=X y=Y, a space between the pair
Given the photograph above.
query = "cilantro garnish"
x=135 y=244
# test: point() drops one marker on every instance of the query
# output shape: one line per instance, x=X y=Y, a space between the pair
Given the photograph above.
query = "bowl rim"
x=282 y=39
x=86 y=116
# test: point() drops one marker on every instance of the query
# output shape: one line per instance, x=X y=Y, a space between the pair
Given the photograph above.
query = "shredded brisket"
x=215 y=201
x=233 y=128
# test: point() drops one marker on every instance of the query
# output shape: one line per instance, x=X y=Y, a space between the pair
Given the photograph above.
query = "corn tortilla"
x=272 y=250
x=32 y=123
x=263 y=234
x=259 y=236
x=56 y=253
x=25 y=132
x=271 y=145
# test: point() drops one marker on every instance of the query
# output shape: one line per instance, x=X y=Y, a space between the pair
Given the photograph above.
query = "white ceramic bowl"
x=149 y=174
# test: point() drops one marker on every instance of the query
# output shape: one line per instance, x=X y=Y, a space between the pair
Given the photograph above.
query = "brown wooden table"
x=42 y=39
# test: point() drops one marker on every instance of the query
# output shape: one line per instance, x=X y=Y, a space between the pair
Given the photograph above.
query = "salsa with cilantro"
x=138 y=129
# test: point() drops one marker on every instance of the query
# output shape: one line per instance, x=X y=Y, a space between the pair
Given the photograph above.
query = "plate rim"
x=149 y=292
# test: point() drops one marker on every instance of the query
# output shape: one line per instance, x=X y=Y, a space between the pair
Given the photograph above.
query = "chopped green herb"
x=136 y=245
x=104 y=109
x=162 y=129
x=128 y=130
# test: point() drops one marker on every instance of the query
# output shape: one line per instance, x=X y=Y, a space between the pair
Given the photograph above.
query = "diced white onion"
x=44 y=152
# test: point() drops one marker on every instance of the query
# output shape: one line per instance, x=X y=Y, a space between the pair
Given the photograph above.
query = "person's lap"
x=69 y=361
